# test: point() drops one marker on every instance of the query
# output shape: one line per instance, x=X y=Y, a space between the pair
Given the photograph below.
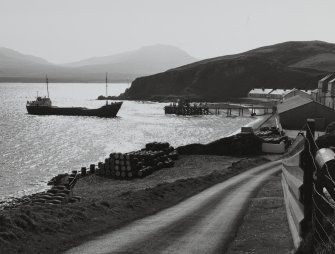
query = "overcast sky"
x=69 y=30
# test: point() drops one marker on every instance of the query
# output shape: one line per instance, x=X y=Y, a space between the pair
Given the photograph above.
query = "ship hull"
x=110 y=110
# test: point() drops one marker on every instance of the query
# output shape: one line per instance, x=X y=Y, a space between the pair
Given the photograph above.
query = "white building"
x=262 y=93
x=279 y=94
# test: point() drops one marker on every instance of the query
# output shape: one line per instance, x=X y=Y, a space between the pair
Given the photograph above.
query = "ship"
x=43 y=106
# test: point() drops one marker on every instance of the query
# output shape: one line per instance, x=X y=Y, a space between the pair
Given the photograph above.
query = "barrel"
x=83 y=171
x=92 y=168
x=325 y=160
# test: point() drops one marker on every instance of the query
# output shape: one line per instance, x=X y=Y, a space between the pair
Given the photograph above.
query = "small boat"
x=43 y=106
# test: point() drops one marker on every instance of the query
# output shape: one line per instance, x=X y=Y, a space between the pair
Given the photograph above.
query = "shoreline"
x=254 y=123
x=104 y=199
x=110 y=204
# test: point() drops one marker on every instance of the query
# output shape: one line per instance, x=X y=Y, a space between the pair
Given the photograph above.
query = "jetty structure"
x=184 y=107
x=242 y=109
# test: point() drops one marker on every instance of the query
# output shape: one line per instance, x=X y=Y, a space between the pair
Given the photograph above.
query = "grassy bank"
x=109 y=204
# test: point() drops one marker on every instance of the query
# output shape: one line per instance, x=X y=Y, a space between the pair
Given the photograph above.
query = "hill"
x=126 y=66
x=149 y=59
x=284 y=65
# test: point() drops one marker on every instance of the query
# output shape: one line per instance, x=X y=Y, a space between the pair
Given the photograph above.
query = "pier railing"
x=308 y=180
x=241 y=109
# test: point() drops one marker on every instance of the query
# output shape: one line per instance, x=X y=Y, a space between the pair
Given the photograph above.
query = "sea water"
x=33 y=149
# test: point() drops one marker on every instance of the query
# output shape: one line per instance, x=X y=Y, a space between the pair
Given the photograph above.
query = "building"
x=261 y=93
x=279 y=94
x=330 y=94
x=302 y=93
x=325 y=90
x=294 y=112
x=314 y=94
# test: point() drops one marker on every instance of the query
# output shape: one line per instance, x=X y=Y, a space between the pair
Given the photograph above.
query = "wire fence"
x=322 y=205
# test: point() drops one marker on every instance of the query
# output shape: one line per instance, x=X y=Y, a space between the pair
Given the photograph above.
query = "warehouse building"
x=261 y=93
x=278 y=94
x=302 y=93
x=294 y=112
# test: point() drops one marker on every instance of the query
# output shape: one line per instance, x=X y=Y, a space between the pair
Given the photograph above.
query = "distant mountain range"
x=293 y=64
x=17 y=67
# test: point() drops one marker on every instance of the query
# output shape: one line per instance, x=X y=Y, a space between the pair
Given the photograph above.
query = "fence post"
x=307 y=164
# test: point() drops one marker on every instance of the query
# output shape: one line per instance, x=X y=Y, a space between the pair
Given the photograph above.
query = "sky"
x=70 y=30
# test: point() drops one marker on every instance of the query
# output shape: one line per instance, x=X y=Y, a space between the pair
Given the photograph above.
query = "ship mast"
x=106 y=90
x=47 y=85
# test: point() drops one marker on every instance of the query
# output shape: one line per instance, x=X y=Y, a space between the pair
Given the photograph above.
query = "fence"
x=308 y=180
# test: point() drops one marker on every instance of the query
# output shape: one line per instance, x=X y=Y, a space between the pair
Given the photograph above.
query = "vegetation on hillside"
x=285 y=65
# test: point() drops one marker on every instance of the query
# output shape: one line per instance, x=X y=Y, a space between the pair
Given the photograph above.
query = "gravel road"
x=204 y=223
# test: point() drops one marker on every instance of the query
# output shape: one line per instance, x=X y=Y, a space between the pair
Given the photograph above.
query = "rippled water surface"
x=35 y=148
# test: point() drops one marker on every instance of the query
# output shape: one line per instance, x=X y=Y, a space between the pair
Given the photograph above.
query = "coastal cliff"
x=285 y=65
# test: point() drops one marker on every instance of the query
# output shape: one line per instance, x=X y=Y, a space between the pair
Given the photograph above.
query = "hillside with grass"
x=284 y=65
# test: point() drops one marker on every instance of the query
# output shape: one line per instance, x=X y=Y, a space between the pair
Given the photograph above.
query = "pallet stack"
x=140 y=163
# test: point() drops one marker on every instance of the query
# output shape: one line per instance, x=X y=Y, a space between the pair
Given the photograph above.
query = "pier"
x=184 y=107
x=227 y=108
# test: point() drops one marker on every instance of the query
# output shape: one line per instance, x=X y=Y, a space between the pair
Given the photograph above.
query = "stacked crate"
x=138 y=163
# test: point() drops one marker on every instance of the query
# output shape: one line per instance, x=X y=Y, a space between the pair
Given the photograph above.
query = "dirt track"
x=204 y=223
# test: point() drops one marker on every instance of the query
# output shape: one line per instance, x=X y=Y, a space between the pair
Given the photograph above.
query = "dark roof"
x=293 y=102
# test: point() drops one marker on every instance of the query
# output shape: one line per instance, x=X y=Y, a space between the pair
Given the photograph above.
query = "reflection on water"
x=35 y=148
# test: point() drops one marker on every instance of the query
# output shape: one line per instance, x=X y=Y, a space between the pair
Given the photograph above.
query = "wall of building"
x=258 y=95
x=276 y=96
x=314 y=96
x=329 y=101
x=295 y=119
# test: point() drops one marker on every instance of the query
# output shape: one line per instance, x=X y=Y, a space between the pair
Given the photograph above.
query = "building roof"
x=260 y=91
x=304 y=91
x=280 y=91
x=332 y=80
x=293 y=102
x=327 y=78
